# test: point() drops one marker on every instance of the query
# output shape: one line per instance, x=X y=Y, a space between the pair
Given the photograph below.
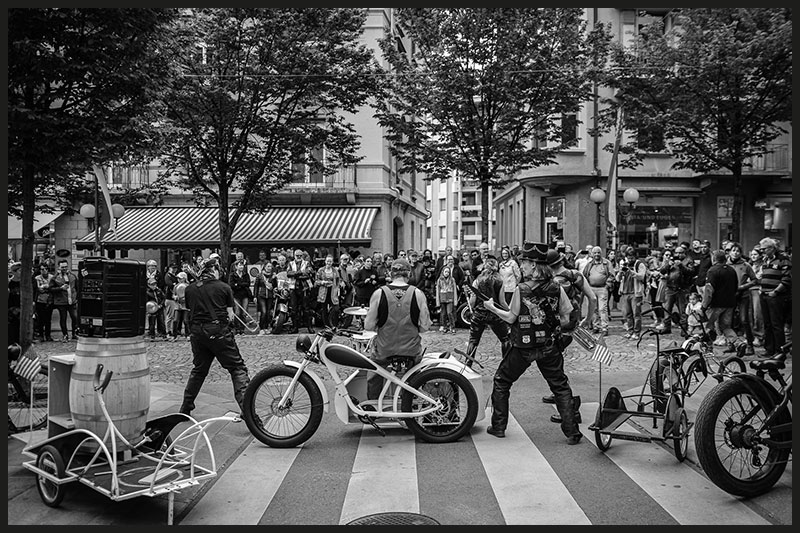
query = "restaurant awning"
x=180 y=227
x=40 y=220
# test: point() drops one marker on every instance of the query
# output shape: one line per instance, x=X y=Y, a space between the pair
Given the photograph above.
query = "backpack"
x=383 y=309
x=572 y=282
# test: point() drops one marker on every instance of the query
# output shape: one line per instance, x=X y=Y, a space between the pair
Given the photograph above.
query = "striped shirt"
x=776 y=272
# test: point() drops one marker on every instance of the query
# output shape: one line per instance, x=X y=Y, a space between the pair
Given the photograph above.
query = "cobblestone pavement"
x=170 y=362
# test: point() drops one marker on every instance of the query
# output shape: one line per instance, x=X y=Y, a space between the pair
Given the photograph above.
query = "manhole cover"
x=394 y=519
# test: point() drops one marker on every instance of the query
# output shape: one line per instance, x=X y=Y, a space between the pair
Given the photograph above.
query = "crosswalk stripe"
x=518 y=472
x=227 y=503
x=384 y=475
x=685 y=494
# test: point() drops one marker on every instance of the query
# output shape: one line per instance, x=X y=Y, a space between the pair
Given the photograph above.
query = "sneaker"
x=721 y=341
x=499 y=433
x=756 y=342
x=170 y=338
x=49 y=339
x=441 y=329
x=749 y=350
x=65 y=338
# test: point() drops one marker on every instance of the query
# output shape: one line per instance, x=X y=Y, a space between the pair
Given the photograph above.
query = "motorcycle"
x=464 y=308
x=281 y=318
x=438 y=399
x=743 y=429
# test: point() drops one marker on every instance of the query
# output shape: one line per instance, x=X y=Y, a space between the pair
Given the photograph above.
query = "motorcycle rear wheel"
x=291 y=425
x=456 y=417
x=736 y=463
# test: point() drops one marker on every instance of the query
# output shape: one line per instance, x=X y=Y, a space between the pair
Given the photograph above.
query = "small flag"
x=27 y=365
x=601 y=353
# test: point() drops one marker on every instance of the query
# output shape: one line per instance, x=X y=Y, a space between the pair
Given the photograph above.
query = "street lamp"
x=598 y=196
x=630 y=196
x=90 y=211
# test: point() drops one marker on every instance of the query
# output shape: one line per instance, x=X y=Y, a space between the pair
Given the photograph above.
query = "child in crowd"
x=694 y=314
x=446 y=296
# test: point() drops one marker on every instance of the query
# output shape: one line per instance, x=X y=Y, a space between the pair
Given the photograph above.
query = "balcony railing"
x=343 y=179
x=776 y=161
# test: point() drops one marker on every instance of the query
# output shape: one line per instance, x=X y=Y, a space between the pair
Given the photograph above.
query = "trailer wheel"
x=50 y=461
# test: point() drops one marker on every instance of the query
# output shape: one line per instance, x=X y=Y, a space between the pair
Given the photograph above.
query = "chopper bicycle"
x=438 y=399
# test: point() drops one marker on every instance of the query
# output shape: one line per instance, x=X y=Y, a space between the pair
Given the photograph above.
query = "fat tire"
x=426 y=433
x=463 y=316
x=280 y=320
x=50 y=460
x=260 y=388
x=708 y=445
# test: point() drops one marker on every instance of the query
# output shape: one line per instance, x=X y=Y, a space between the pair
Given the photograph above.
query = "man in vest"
x=539 y=309
x=300 y=272
x=600 y=274
x=398 y=312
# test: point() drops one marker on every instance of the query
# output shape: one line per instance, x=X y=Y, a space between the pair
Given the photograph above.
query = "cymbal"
x=364 y=335
x=356 y=311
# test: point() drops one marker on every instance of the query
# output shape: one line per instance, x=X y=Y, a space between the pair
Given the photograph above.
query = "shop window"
x=725 y=218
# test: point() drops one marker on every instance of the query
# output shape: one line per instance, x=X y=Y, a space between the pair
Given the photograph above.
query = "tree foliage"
x=82 y=84
x=717 y=84
x=259 y=90
x=482 y=91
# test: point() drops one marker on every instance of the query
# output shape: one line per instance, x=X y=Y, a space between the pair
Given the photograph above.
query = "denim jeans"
x=600 y=319
x=631 y=312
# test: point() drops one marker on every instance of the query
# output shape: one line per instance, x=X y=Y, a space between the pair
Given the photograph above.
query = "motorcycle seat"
x=346 y=356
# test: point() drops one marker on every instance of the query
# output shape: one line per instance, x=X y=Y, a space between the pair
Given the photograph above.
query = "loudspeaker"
x=111 y=297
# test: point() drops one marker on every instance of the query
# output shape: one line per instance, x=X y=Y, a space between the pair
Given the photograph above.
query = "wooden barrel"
x=127 y=397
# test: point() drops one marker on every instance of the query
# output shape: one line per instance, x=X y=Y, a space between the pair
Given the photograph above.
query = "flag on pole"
x=27 y=365
x=602 y=353
x=106 y=214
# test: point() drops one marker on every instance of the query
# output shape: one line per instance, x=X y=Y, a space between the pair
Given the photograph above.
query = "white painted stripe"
x=684 y=493
x=517 y=472
x=384 y=477
x=227 y=504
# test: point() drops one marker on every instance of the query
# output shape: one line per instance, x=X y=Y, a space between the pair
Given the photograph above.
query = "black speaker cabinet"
x=111 y=297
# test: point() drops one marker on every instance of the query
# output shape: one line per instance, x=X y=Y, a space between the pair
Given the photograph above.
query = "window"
x=442 y=204
x=651 y=138
x=306 y=173
x=725 y=217
x=443 y=233
x=569 y=129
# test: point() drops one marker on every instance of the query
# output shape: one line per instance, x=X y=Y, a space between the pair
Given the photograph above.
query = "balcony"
x=344 y=180
x=776 y=161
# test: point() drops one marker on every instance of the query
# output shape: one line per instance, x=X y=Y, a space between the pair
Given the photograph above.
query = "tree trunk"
x=736 y=213
x=26 y=278
x=485 y=213
x=225 y=232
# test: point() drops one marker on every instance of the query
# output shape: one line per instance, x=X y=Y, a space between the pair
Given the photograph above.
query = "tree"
x=261 y=90
x=81 y=85
x=717 y=86
x=482 y=92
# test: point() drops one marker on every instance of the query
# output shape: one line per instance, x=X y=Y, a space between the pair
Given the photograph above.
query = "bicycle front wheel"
x=27 y=402
x=729 y=440
x=289 y=425
x=459 y=405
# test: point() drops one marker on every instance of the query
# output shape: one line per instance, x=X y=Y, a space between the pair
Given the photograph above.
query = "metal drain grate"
x=394 y=519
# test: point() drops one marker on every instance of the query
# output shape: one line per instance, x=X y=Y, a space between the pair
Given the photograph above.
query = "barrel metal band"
x=115 y=418
x=116 y=376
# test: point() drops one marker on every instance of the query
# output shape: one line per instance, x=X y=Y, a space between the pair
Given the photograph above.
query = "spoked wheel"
x=21 y=392
x=680 y=430
x=732 y=365
x=603 y=441
x=49 y=460
x=287 y=426
x=729 y=440
x=459 y=405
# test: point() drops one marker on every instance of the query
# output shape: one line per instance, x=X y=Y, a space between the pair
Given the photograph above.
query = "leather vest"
x=537 y=320
x=398 y=335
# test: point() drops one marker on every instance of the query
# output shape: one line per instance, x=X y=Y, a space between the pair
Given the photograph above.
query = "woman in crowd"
x=327 y=288
x=509 y=273
x=366 y=281
x=756 y=261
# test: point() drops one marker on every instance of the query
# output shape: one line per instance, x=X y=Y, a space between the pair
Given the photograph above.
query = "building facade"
x=553 y=203
x=371 y=205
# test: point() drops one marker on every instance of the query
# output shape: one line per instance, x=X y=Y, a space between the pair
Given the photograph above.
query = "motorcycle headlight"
x=303 y=343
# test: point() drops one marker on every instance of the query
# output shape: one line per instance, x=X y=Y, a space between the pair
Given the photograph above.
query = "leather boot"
x=576 y=400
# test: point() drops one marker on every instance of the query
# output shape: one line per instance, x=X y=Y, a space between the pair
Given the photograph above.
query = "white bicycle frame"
x=392 y=388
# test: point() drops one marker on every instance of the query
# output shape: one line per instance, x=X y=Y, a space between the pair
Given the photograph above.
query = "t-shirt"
x=725 y=282
x=219 y=296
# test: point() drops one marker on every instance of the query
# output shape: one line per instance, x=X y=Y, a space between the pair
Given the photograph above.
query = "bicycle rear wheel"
x=27 y=402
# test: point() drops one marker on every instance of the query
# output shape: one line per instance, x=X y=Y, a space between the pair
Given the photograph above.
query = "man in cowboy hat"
x=539 y=309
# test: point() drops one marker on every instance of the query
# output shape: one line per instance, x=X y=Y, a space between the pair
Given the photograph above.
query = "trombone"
x=249 y=323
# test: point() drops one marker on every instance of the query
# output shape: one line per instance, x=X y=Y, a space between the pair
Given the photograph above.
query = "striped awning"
x=167 y=226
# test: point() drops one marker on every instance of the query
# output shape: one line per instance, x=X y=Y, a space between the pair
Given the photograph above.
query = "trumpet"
x=249 y=323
